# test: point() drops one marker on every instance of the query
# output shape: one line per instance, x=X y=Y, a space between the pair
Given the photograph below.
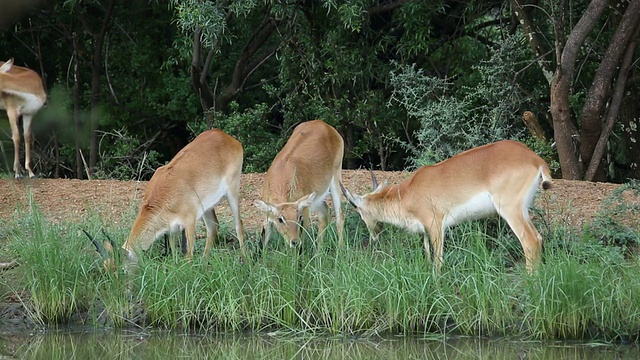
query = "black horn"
x=373 y=179
x=346 y=194
x=99 y=248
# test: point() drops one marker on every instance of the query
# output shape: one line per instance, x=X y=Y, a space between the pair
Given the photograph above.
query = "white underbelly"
x=477 y=207
x=318 y=202
x=30 y=104
x=206 y=202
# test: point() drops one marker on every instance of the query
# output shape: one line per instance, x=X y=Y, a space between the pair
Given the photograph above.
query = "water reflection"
x=83 y=344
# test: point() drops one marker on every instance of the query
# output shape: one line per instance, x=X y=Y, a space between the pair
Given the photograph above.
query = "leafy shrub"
x=617 y=224
x=546 y=150
x=123 y=157
x=451 y=122
x=250 y=127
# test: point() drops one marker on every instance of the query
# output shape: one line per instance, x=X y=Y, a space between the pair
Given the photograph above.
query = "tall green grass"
x=584 y=289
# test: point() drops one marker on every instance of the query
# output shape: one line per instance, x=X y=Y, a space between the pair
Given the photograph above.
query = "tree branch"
x=386 y=7
x=532 y=36
x=565 y=131
x=244 y=67
x=600 y=89
x=614 y=107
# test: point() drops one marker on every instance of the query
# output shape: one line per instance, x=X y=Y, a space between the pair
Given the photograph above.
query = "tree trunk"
x=76 y=106
x=247 y=62
x=599 y=94
x=595 y=169
x=565 y=131
x=199 y=75
x=96 y=74
x=531 y=122
x=533 y=37
x=630 y=116
x=348 y=147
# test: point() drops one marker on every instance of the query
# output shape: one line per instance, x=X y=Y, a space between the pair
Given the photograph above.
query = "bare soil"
x=115 y=202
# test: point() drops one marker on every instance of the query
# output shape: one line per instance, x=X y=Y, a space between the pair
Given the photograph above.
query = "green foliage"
x=416 y=16
x=352 y=15
x=453 y=121
x=122 y=157
x=617 y=224
x=208 y=16
x=260 y=142
x=334 y=62
x=546 y=150
x=363 y=66
x=338 y=72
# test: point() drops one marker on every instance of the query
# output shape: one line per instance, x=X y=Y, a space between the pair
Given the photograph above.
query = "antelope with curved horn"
x=187 y=189
x=21 y=94
x=305 y=171
x=499 y=178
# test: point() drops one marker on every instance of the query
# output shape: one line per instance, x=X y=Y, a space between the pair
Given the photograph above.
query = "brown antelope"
x=304 y=172
x=188 y=188
x=21 y=94
x=500 y=178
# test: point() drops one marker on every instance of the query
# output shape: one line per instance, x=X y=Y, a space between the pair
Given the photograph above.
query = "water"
x=91 y=344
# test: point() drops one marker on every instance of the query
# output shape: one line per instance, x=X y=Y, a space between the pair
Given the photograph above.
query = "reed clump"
x=585 y=288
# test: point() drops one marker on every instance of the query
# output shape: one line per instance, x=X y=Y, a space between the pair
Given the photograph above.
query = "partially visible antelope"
x=21 y=94
x=305 y=171
x=499 y=178
x=186 y=189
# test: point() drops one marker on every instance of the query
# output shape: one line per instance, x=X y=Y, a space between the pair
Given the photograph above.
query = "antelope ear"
x=264 y=207
x=6 y=66
x=380 y=187
x=306 y=201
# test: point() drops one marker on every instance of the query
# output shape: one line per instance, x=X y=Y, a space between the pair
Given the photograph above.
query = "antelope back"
x=308 y=162
x=17 y=79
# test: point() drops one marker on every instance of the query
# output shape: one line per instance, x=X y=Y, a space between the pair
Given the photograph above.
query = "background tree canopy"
x=406 y=82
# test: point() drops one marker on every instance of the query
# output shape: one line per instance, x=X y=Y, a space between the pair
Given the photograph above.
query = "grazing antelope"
x=500 y=178
x=188 y=188
x=21 y=94
x=304 y=172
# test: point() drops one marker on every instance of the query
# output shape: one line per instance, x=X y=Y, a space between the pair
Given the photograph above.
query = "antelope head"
x=368 y=214
x=287 y=217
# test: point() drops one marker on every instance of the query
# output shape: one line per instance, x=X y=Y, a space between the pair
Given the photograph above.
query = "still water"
x=90 y=344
